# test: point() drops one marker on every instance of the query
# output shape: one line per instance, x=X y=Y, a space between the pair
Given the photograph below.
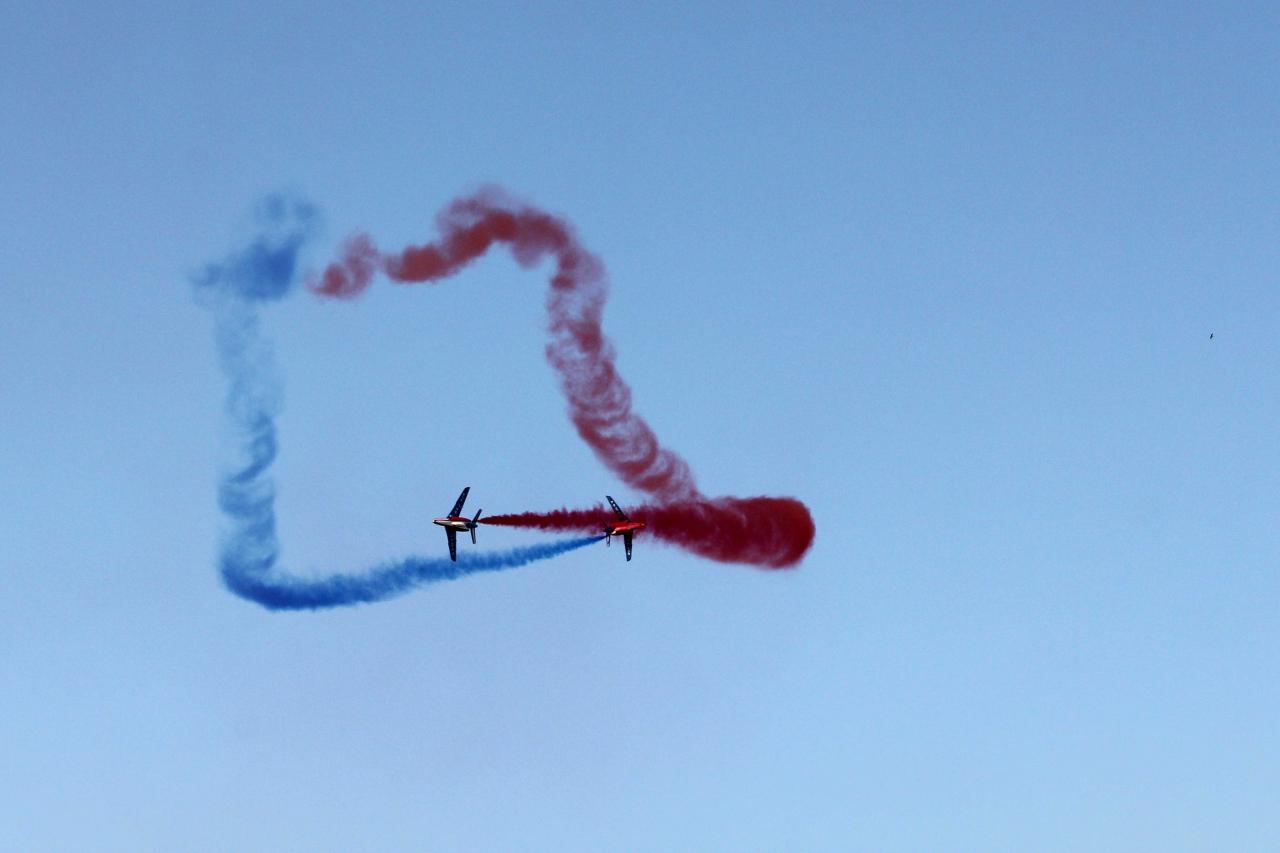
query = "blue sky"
x=947 y=275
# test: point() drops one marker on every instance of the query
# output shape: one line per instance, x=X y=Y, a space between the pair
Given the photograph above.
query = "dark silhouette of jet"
x=623 y=527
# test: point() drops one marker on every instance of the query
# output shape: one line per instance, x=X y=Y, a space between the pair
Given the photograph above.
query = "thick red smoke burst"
x=769 y=532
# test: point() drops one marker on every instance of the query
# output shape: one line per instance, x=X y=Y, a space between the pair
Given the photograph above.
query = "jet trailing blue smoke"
x=265 y=271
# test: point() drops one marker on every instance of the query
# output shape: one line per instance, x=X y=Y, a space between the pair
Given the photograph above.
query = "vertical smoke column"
x=599 y=400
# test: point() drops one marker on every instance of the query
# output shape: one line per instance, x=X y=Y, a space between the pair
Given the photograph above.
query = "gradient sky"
x=947 y=275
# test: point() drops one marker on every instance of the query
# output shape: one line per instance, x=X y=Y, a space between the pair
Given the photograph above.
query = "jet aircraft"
x=453 y=523
x=623 y=527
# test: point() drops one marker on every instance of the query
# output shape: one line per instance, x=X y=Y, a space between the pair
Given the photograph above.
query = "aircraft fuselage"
x=617 y=528
x=454 y=522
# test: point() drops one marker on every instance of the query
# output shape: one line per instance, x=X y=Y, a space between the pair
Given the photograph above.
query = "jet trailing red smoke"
x=769 y=532
x=773 y=532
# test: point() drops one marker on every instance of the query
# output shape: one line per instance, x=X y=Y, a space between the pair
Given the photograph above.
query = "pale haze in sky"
x=947 y=275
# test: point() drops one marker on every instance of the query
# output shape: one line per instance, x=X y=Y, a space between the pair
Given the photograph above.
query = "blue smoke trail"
x=250 y=550
x=282 y=592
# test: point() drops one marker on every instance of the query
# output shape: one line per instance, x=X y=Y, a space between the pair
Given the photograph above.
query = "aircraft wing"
x=617 y=509
x=453 y=543
x=626 y=540
x=462 y=498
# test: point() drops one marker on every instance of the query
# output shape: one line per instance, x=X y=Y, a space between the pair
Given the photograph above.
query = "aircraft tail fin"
x=475 y=522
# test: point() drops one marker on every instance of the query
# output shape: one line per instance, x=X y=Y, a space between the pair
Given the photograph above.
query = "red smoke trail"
x=772 y=532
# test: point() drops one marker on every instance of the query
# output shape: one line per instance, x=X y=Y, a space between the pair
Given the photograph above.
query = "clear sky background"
x=947 y=275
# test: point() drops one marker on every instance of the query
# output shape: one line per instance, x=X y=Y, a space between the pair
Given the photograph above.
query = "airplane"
x=623 y=526
x=453 y=523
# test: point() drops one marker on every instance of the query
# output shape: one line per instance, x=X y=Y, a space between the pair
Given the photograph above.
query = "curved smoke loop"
x=770 y=532
x=249 y=552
